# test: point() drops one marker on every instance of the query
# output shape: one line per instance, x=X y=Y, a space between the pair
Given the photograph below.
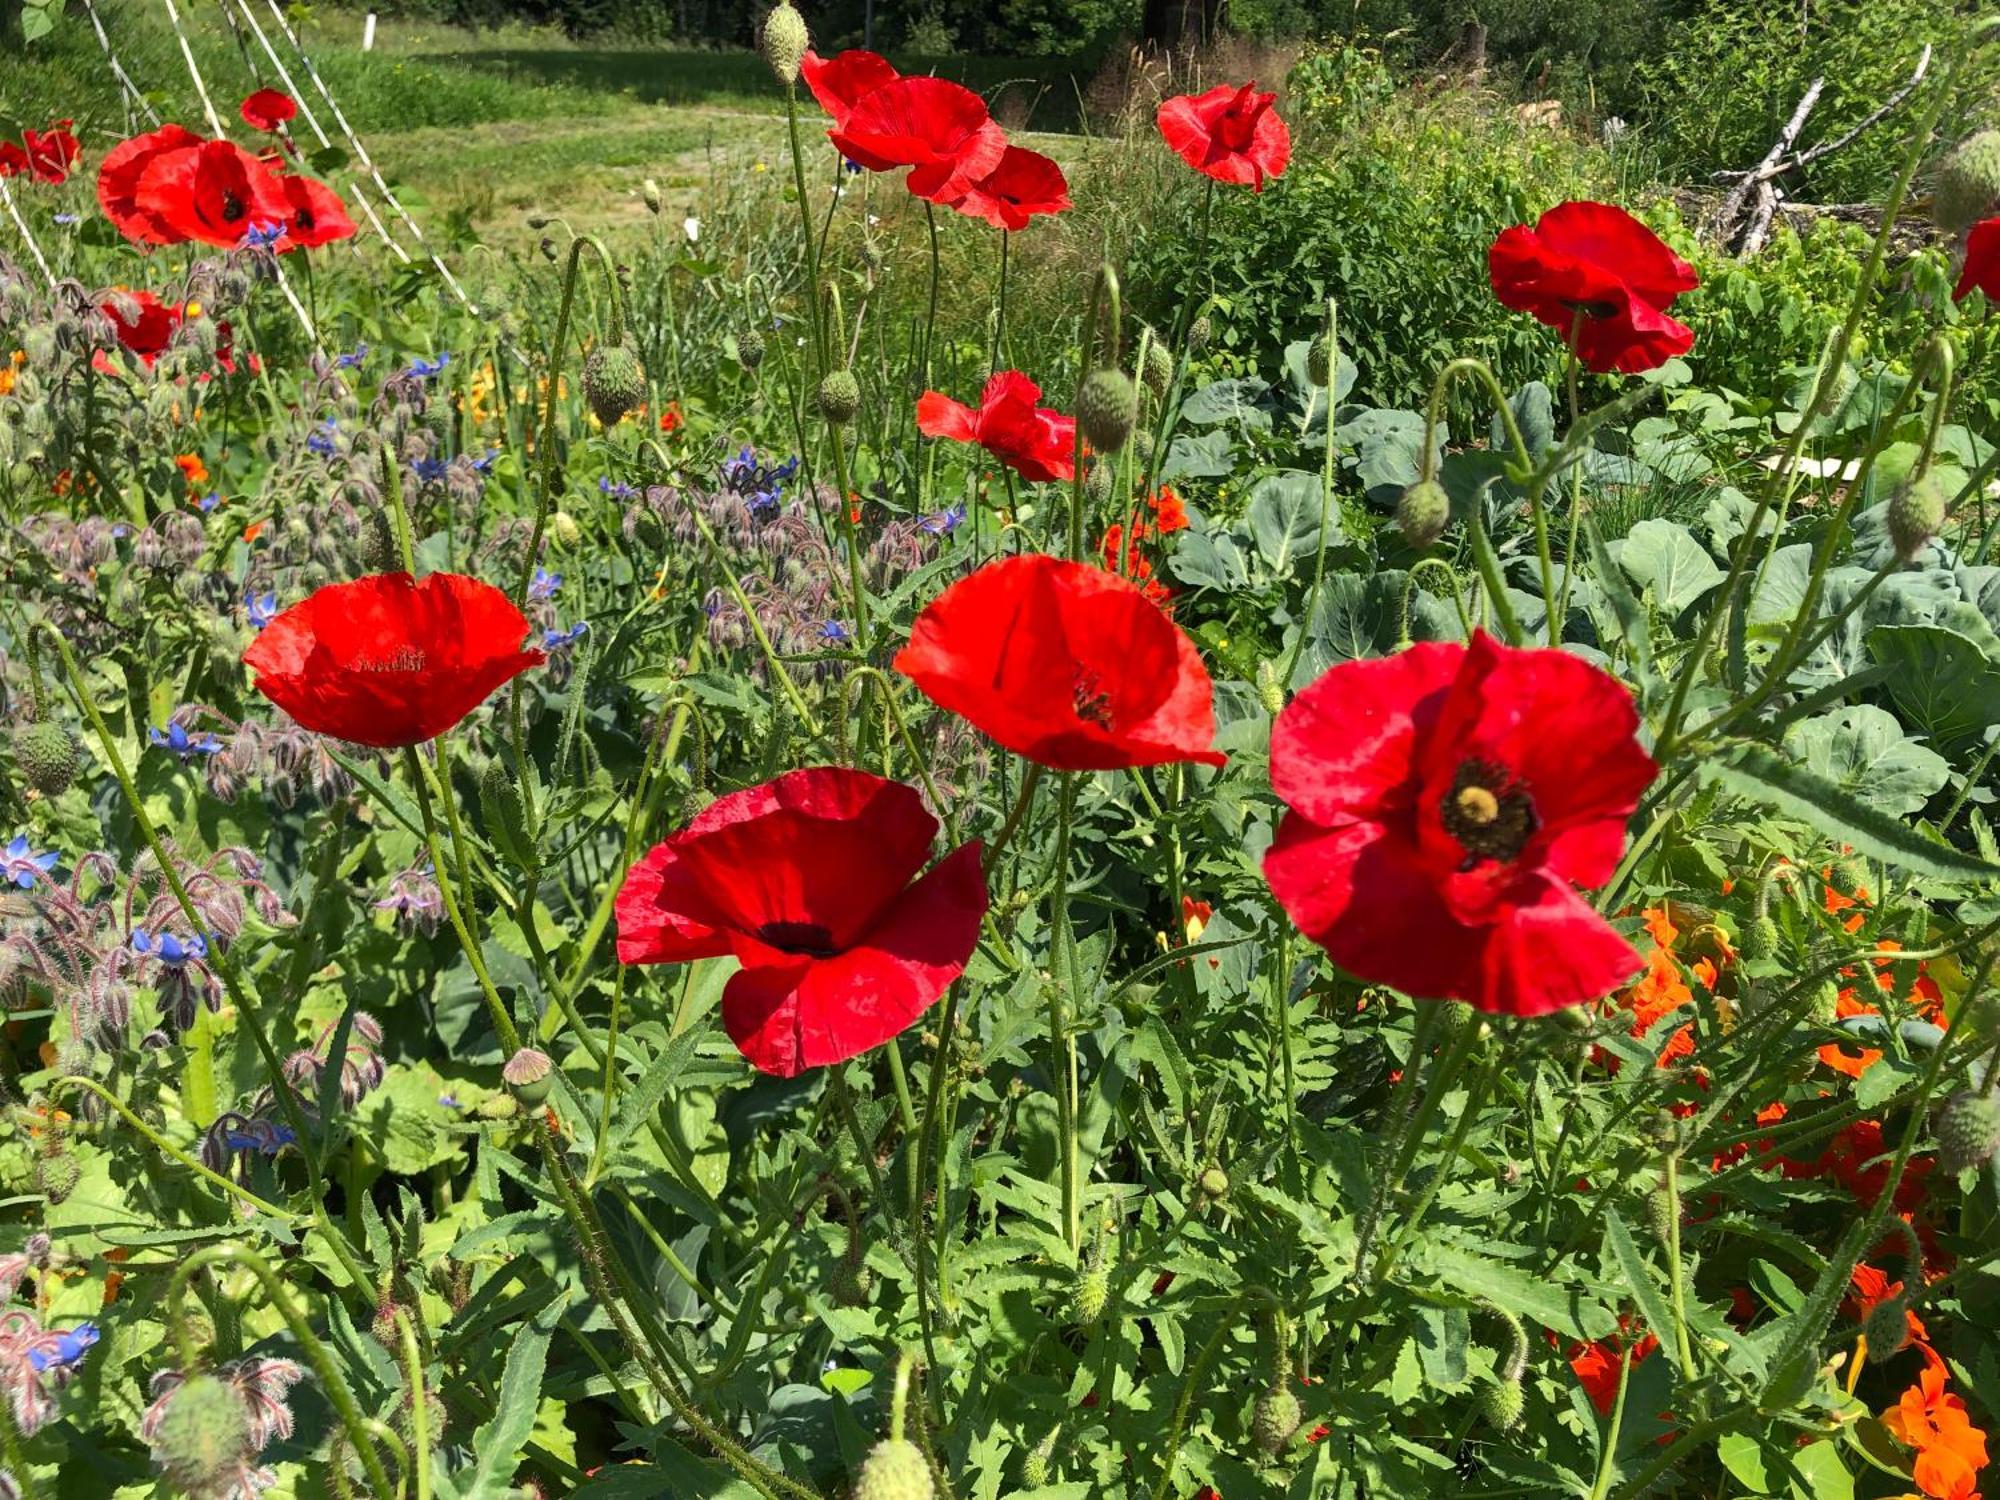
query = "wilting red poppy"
x=13 y=160
x=149 y=329
x=1066 y=664
x=1982 y=262
x=1025 y=183
x=267 y=109
x=808 y=882
x=387 y=660
x=118 y=178
x=1035 y=442
x=1443 y=800
x=1593 y=270
x=840 y=83
x=316 y=215
x=51 y=152
x=1229 y=133
x=216 y=193
x=938 y=129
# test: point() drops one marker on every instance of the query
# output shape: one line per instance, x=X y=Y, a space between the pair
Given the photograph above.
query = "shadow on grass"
x=1039 y=93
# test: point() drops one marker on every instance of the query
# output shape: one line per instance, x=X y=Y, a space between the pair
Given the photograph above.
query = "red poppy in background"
x=387 y=660
x=1443 y=800
x=811 y=882
x=267 y=110
x=1035 y=442
x=840 y=83
x=118 y=177
x=216 y=193
x=315 y=214
x=1065 y=664
x=1592 y=271
x=1024 y=184
x=938 y=129
x=150 y=327
x=51 y=152
x=1229 y=133
x=1982 y=262
x=13 y=160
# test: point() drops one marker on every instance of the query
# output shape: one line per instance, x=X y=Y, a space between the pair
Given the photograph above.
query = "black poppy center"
x=808 y=938
x=232 y=207
x=1488 y=812
x=1092 y=703
x=1592 y=309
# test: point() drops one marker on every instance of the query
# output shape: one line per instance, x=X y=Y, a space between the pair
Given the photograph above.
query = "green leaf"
x=1941 y=681
x=1762 y=775
x=1743 y=1456
x=1408 y=1377
x=1284 y=519
x=1863 y=751
x=1665 y=560
x=1638 y=1276
x=497 y=1445
x=1569 y=1310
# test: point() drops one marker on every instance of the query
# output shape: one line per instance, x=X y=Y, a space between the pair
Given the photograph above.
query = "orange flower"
x=251 y=532
x=1950 y=1450
x=1194 y=917
x=1169 y=510
x=1660 y=926
x=670 y=417
x=1596 y=1368
x=192 y=468
x=1862 y=1058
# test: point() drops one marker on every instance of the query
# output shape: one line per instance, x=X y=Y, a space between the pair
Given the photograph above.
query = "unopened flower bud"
x=1502 y=1404
x=894 y=1470
x=1270 y=691
x=749 y=348
x=563 y=530
x=1916 y=514
x=839 y=394
x=203 y=1436
x=613 y=381
x=785 y=41
x=1968 y=1131
x=1159 y=371
x=1090 y=1291
x=530 y=1074
x=1214 y=1183
x=1319 y=361
x=47 y=754
x=1274 y=1419
x=1106 y=408
x=1422 y=513
x=1887 y=1328
x=649 y=194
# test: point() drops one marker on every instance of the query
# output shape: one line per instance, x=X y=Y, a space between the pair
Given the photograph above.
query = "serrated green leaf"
x=1639 y=1280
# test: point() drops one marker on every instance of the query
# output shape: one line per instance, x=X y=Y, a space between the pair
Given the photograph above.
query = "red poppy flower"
x=1442 y=802
x=118 y=184
x=938 y=129
x=807 y=882
x=1035 y=442
x=1593 y=269
x=148 y=329
x=1229 y=133
x=216 y=193
x=1982 y=262
x=1066 y=664
x=267 y=109
x=1025 y=183
x=387 y=660
x=315 y=214
x=51 y=152
x=13 y=160
x=840 y=83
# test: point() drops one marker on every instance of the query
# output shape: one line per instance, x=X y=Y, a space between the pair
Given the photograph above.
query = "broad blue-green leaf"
x=1943 y=684
x=1669 y=565
x=1284 y=519
x=1235 y=401
x=1862 y=750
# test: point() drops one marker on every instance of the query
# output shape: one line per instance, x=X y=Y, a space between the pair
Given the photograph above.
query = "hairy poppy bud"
x=613 y=381
x=1916 y=514
x=1089 y=1291
x=1214 y=1183
x=1967 y=186
x=1823 y=1005
x=530 y=1074
x=1159 y=371
x=1199 y=333
x=649 y=194
x=1106 y=408
x=563 y=529
x=47 y=755
x=1036 y=1466
x=1274 y=1419
x=839 y=396
x=1097 y=483
x=1887 y=1328
x=1422 y=513
x=894 y=1470
x=785 y=41
x=850 y=1283
x=203 y=1436
x=1663 y=1213
x=1319 y=361
x=1968 y=1131
x=1502 y=1403
x=1270 y=691
x=57 y=1175
x=749 y=348
x=1760 y=938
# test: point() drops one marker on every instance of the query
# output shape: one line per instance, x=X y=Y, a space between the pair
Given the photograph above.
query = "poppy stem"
x=1000 y=315
x=1066 y=979
x=1022 y=798
x=1325 y=495
x=1607 y=1456
x=1475 y=1099
x=819 y=330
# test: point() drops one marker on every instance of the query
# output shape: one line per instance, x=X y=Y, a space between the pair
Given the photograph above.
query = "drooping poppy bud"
x=894 y=1470
x=839 y=397
x=785 y=41
x=1422 y=513
x=1916 y=514
x=613 y=381
x=1106 y=408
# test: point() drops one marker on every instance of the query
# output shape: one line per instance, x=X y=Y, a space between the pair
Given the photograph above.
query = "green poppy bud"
x=1502 y=1403
x=1106 y=408
x=1274 y=1419
x=1968 y=1131
x=1214 y=1183
x=1887 y=1328
x=839 y=397
x=1916 y=514
x=1422 y=513
x=1089 y=1292
x=202 y=1438
x=894 y=1470
x=530 y=1074
x=1967 y=186
x=613 y=381
x=1319 y=361
x=749 y=348
x=785 y=41
x=47 y=754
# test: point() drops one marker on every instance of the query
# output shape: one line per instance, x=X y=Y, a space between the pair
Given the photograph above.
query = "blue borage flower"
x=351 y=360
x=544 y=584
x=265 y=1137
x=260 y=609
x=209 y=501
x=22 y=866
x=176 y=739
x=261 y=236
x=62 y=1348
x=68 y=219
x=615 y=489
x=946 y=521
x=431 y=470
x=172 y=951
x=485 y=465
x=834 y=633
x=424 y=369
x=761 y=487
x=560 y=639
x=321 y=441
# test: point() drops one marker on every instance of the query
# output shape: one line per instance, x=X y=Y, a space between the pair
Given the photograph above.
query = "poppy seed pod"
x=1200 y=331
x=613 y=381
x=749 y=348
x=1106 y=408
x=850 y=1284
x=839 y=397
x=1916 y=514
x=1502 y=1404
x=47 y=755
x=203 y=1435
x=1422 y=513
x=1967 y=186
x=563 y=530
x=894 y=1470
x=1097 y=484
x=530 y=1074
x=785 y=41
x=1968 y=1131
x=1276 y=1417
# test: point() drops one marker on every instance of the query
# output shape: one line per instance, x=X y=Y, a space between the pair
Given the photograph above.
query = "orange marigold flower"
x=1660 y=927
x=671 y=418
x=1928 y=1418
x=192 y=468
x=1169 y=510
x=1835 y=1056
